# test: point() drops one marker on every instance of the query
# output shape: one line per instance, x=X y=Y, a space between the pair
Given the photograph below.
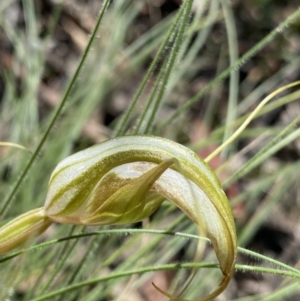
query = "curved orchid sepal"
x=124 y=180
x=195 y=203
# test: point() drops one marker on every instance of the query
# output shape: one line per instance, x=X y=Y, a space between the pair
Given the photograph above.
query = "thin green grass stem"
x=15 y=145
x=79 y=266
x=263 y=210
x=214 y=96
x=189 y=48
x=61 y=259
x=146 y=118
x=123 y=123
x=216 y=134
x=4 y=4
x=154 y=34
x=237 y=65
x=287 y=135
x=257 y=269
x=113 y=276
x=152 y=106
x=144 y=231
x=284 y=292
x=174 y=266
x=266 y=86
x=21 y=179
x=264 y=182
x=234 y=74
x=248 y=120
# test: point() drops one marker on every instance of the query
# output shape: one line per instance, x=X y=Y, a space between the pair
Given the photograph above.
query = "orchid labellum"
x=124 y=180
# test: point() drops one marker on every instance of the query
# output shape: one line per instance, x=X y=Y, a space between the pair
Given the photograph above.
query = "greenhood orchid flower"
x=124 y=180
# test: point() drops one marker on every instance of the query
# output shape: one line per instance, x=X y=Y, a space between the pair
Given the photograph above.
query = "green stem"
x=21 y=179
x=148 y=115
x=238 y=64
x=144 y=231
x=287 y=135
x=122 y=125
x=173 y=266
x=234 y=74
x=249 y=119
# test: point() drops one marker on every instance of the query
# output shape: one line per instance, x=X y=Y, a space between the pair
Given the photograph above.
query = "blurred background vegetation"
x=41 y=43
